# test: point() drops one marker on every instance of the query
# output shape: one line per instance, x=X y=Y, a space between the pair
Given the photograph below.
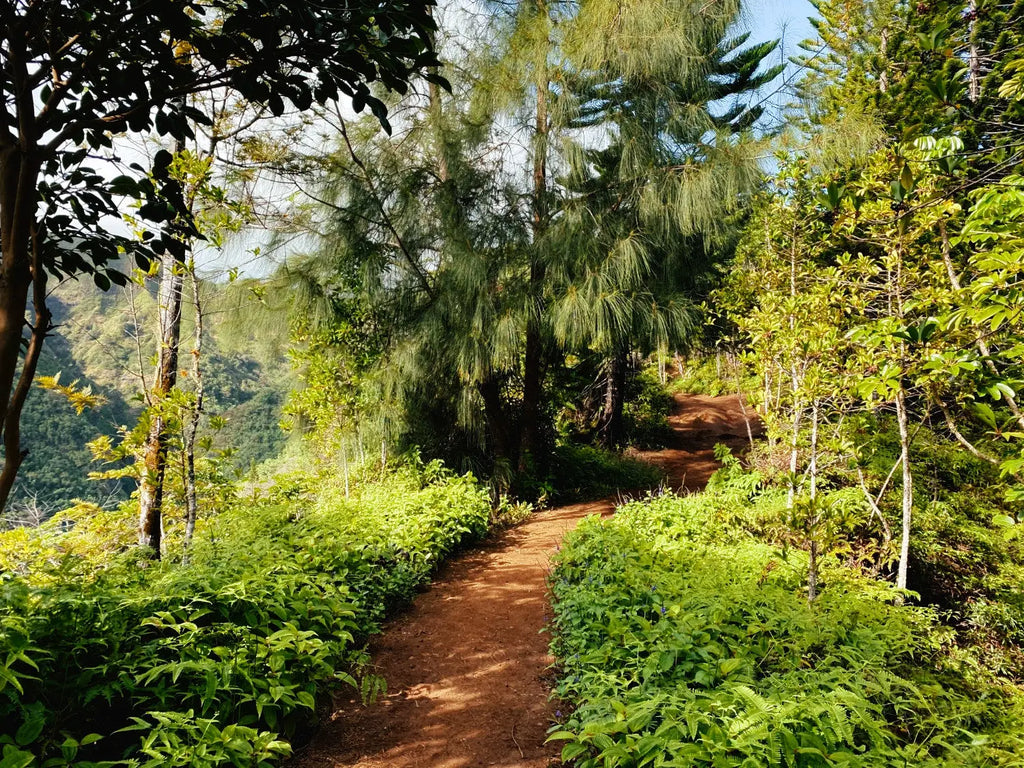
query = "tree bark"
x=908 y=488
x=883 y=55
x=19 y=175
x=812 y=471
x=533 y=358
x=151 y=489
x=192 y=426
x=14 y=454
x=973 y=54
x=610 y=426
x=499 y=429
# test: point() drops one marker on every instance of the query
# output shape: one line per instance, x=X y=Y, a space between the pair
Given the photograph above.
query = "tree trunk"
x=499 y=431
x=812 y=471
x=533 y=359
x=737 y=368
x=973 y=55
x=18 y=199
x=908 y=487
x=192 y=427
x=14 y=454
x=151 y=489
x=344 y=464
x=883 y=55
x=533 y=375
x=610 y=427
x=794 y=453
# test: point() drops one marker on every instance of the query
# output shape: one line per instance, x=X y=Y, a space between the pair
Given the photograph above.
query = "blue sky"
x=786 y=21
x=769 y=19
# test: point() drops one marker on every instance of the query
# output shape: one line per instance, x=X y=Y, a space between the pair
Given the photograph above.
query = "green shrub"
x=646 y=411
x=222 y=662
x=683 y=640
x=585 y=472
x=701 y=376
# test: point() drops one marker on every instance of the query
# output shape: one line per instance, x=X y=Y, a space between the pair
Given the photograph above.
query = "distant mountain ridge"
x=106 y=341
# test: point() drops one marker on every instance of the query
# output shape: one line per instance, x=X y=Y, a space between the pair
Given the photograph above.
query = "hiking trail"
x=467 y=664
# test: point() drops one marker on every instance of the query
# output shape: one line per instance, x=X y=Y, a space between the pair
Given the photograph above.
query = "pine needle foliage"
x=423 y=229
x=660 y=157
x=663 y=155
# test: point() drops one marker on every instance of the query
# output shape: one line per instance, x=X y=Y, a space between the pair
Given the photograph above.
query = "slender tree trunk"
x=192 y=427
x=794 y=453
x=344 y=464
x=767 y=406
x=737 y=370
x=498 y=424
x=19 y=175
x=908 y=487
x=610 y=427
x=533 y=375
x=883 y=55
x=14 y=454
x=154 y=457
x=533 y=358
x=973 y=55
x=794 y=383
x=812 y=471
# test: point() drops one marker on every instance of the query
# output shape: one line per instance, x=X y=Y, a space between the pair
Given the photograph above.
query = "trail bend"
x=467 y=664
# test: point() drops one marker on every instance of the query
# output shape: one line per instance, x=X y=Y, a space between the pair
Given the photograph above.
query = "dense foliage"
x=684 y=637
x=107 y=654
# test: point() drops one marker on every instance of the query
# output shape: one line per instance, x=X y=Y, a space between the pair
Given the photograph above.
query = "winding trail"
x=467 y=664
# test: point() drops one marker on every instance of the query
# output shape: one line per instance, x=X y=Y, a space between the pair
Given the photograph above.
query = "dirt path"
x=467 y=665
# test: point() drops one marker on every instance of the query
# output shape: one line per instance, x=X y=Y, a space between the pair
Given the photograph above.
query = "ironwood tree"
x=647 y=206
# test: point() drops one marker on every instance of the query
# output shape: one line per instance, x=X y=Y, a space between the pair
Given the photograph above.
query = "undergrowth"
x=646 y=411
x=701 y=376
x=684 y=637
x=105 y=656
x=581 y=472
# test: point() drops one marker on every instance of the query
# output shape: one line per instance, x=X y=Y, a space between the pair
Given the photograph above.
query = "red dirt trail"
x=467 y=665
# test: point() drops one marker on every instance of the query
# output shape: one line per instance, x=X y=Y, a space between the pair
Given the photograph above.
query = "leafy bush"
x=683 y=640
x=222 y=662
x=585 y=472
x=647 y=407
x=701 y=376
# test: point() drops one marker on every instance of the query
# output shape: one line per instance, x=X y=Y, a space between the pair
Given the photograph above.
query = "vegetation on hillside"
x=578 y=211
